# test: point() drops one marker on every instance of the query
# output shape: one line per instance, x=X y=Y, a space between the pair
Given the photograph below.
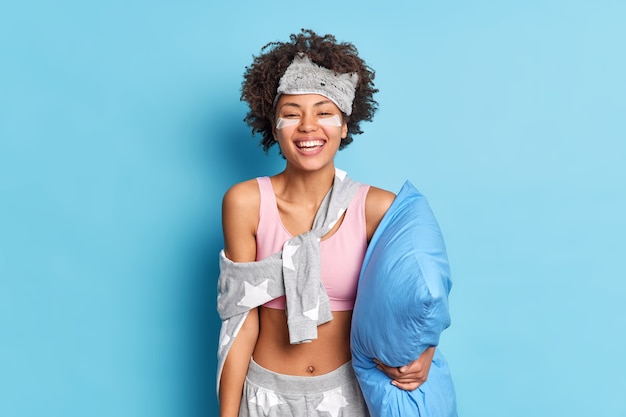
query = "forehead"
x=304 y=100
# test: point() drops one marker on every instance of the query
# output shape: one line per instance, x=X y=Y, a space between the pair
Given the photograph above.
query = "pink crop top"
x=342 y=253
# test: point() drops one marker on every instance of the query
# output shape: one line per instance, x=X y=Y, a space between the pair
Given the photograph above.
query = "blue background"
x=121 y=128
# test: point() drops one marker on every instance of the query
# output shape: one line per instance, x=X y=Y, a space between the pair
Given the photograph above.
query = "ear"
x=344 y=130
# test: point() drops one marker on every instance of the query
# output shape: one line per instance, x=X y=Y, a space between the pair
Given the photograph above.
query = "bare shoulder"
x=377 y=203
x=240 y=217
x=242 y=196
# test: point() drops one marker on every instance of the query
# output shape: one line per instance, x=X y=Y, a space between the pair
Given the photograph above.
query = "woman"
x=309 y=96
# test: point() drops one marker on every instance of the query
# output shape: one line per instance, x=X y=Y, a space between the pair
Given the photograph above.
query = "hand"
x=409 y=377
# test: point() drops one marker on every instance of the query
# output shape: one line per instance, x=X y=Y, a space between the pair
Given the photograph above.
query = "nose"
x=308 y=123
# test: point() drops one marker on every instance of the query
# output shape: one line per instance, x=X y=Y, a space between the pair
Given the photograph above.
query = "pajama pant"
x=270 y=394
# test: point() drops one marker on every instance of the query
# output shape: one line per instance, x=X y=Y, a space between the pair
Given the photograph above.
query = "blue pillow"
x=401 y=309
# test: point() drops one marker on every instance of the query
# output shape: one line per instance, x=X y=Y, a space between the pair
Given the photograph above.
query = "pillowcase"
x=401 y=309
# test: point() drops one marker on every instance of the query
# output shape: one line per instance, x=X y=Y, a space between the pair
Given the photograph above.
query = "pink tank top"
x=342 y=253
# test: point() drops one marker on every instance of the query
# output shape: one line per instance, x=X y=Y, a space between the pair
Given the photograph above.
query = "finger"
x=411 y=375
x=410 y=380
x=389 y=370
x=414 y=367
x=410 y=372
x=406 y=386
x=382 y=365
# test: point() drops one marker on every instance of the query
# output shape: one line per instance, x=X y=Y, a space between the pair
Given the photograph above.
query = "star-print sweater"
x=293 y=272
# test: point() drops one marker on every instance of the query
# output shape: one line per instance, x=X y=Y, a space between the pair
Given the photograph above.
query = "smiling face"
x=309 y=129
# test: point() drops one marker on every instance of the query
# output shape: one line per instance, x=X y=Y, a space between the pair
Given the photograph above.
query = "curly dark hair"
x=261 y=80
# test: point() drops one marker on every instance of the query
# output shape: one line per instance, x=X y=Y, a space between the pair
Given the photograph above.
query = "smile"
x=309 y=144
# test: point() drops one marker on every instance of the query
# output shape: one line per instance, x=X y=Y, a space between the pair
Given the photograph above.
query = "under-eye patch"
x=333 y=121
x=281 y=123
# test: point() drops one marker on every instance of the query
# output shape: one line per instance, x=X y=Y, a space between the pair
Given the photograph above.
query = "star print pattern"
x=332 y=224
x=255 y=295
x=224 y=337
x=314 y=313
x=288 y=252
x=266 y=399
x=333 y=401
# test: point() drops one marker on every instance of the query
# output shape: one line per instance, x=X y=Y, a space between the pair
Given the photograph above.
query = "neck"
x=308 y=187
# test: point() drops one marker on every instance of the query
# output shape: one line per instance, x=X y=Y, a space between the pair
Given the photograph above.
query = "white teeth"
x=310 y=143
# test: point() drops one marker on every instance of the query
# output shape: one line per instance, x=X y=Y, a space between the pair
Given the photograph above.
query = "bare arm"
x=240 y=214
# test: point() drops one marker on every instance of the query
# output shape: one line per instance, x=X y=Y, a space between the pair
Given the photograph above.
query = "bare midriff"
x=328 y=352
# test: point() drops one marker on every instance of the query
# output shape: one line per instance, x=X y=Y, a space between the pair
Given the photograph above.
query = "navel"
x=310 y=369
